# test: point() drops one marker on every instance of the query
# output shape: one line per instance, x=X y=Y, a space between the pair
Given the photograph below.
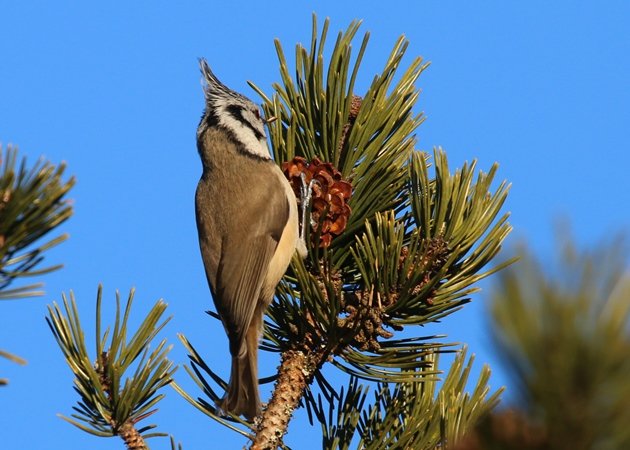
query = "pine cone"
x=331 y=193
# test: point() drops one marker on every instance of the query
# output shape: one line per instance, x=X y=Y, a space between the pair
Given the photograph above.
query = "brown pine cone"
x=331 y=193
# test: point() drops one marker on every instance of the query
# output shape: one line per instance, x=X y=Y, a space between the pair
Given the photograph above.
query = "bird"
x=248 y=227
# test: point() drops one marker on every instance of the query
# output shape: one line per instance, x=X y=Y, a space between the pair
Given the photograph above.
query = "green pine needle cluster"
x=118 y=385
x=409 y=415
x=413 y=246
x=32 y=204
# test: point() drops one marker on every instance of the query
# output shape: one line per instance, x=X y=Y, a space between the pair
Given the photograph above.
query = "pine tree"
x=396 y=241
x=563 y=333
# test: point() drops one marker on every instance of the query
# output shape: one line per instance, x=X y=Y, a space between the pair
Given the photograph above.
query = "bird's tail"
x=242 y=397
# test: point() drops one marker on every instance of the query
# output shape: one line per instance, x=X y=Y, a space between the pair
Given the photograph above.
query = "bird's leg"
x=306 y=195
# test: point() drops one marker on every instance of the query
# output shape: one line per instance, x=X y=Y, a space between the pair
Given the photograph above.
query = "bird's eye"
x=257 y=113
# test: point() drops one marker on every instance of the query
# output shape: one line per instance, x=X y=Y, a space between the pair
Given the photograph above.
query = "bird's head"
x=237 y=115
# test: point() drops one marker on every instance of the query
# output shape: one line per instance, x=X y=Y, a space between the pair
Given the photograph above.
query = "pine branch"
x=32 y=204
x=295 y=375
x=112 y=400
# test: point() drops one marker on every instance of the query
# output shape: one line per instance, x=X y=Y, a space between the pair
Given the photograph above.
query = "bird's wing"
x=260 y=219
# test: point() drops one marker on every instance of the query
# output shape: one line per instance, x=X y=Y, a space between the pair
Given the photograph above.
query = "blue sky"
x=114 y=90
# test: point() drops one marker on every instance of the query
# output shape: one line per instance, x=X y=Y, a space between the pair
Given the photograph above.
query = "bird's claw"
x=306 y=195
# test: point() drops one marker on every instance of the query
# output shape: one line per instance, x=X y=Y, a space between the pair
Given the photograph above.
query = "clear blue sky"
x=113 y=89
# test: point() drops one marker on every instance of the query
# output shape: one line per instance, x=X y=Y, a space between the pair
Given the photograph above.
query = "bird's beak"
x=271 y=119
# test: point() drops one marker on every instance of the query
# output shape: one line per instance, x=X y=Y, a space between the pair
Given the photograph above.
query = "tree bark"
x=296 y=373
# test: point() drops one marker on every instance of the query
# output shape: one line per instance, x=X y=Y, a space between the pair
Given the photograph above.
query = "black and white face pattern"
x=235 y=113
